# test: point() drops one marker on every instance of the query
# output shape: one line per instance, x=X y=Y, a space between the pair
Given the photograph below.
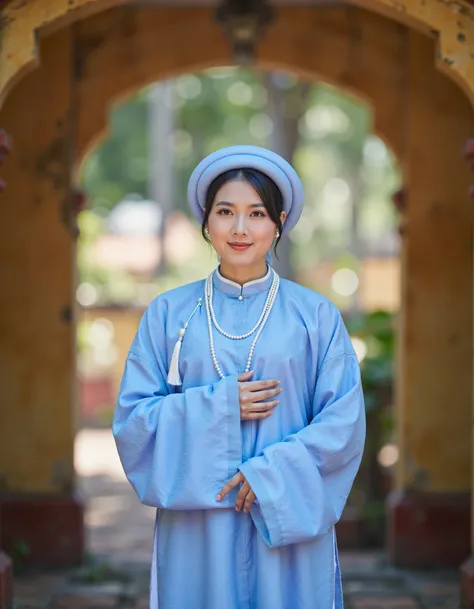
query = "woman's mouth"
x=240 y=247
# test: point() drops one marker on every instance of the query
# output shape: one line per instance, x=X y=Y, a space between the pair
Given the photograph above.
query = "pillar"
x=429 y=512
x=467 y=568
x=39 y=510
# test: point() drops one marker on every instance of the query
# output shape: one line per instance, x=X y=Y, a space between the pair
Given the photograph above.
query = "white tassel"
x=174 y=378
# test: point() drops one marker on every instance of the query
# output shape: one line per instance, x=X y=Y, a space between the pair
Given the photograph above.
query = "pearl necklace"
x=210 y=292
x=262 y=320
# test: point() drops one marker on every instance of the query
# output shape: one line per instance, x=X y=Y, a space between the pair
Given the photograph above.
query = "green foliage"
x=19 y=552
x=91 y=227
x=377 y=332
x=368 y=494
x=94 y=572
x=119 y=165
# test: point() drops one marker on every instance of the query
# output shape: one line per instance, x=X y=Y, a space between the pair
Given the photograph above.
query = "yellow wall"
x=22 y=22
x=435 y=370
x=37 y=282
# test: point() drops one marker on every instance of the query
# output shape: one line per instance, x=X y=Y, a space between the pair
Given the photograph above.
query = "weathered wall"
x=37 y=281
x=436 y=334
x=21 y=20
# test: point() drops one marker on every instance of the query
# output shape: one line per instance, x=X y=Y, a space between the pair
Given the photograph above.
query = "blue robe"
x=179 y=446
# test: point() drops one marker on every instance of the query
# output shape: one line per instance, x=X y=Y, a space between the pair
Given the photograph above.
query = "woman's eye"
x=259 y=214
x=224 y=212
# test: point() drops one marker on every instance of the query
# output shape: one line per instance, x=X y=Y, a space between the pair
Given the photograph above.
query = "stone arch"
x=23 y=24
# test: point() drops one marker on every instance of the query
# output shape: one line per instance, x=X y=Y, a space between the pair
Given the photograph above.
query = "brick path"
x=119 y=531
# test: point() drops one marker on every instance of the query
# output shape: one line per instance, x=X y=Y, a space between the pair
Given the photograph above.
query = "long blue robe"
x=179 y=447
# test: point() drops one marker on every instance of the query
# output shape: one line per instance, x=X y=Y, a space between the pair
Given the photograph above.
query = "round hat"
x=239 y=157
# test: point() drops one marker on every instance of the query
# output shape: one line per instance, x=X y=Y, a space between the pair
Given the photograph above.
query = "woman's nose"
x=240 y=226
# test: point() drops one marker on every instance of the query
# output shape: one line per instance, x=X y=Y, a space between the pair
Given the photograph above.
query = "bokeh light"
x=261 y=126
x=360 y=347
x=388 y=455
x=188 y=87
x=345 y=282
x=86 y=294
x=240 y=93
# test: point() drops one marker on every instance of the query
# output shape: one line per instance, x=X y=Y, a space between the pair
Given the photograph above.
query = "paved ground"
x=119 y=531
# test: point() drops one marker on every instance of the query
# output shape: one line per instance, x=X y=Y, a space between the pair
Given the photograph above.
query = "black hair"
x=266 y=188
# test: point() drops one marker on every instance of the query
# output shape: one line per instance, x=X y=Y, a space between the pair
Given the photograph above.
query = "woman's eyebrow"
x=233 y=204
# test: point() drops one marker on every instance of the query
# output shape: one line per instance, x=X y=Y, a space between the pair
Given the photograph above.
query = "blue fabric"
x=255 y=157
x=179 y=448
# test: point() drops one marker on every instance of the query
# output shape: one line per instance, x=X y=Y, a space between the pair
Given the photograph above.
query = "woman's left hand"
x=245 y=496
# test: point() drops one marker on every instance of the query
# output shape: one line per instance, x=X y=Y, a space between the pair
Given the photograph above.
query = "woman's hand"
x=252 y=394
x=245 y=496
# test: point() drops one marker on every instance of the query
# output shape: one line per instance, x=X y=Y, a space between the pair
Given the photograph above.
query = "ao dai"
x=179 y=446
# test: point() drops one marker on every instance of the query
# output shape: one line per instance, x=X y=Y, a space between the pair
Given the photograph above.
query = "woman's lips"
x=240 y=247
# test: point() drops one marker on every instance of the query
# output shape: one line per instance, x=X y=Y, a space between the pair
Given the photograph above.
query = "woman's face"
x=240 y=229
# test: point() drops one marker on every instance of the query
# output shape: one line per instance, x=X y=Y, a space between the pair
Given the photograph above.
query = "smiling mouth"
x=240 y=246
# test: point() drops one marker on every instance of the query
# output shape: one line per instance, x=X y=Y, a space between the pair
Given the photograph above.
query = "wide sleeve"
x=177 y=449
x=302 y=482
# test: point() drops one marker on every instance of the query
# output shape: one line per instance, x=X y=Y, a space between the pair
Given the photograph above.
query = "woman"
x=240 y=415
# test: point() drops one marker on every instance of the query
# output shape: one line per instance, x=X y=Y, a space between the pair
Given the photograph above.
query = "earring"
x=277 y=234
x=206 y=230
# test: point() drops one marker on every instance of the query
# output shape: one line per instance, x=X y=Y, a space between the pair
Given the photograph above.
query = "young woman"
x=240 y=415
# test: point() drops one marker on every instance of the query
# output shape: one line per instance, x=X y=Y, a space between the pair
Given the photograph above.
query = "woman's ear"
x=283 y=217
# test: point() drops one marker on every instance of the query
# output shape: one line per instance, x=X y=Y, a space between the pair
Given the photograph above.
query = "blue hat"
x=254 y=157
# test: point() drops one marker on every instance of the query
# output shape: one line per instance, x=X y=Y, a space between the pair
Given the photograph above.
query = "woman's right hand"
x=252 y=394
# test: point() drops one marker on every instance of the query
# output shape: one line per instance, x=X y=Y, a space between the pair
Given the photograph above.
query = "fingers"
x=260 y=411
x=245 y=497
x=259 y=396
x=242 y=495
x=259 y=385
x=232 y=483
x=249 y=500
x=245 y=376
x=255 y=398
x=250 y=416
x=264 y=406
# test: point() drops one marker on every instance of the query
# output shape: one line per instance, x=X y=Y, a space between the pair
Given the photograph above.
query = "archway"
x=22 y=24
x=393 y=67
